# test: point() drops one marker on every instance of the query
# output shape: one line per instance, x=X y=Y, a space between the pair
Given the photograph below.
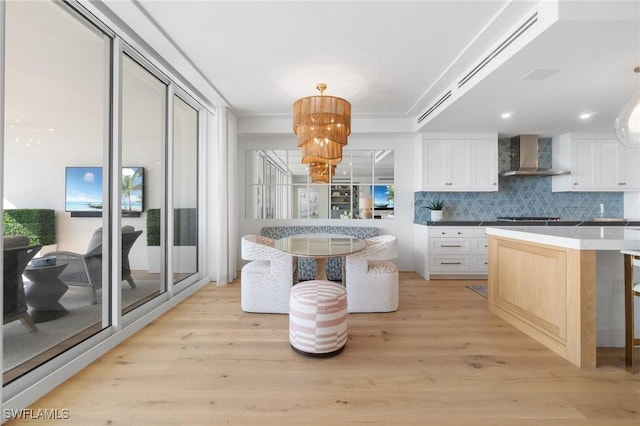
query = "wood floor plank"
x=441 y=359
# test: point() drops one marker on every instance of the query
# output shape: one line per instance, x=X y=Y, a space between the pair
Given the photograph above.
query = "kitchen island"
x=543 y=280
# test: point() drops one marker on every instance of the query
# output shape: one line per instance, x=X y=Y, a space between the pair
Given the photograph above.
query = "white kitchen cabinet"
x=457 y=252
x=460 y=164
x=597 y=163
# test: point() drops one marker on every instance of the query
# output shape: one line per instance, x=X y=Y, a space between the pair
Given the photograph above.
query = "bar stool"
x=631 y=290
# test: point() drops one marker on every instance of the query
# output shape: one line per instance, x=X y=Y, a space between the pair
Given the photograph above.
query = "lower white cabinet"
x=457 y=252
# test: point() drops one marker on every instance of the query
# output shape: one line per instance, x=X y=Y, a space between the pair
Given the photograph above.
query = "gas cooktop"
x=527 y=218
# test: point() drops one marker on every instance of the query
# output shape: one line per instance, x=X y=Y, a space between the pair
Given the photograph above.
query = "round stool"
x=318 y=318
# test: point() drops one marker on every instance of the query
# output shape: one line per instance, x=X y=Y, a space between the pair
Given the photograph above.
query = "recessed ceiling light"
x=585 y=116
x=506 y=115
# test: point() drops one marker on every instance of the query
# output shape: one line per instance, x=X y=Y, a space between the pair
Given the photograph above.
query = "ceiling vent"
x=495 y=52
x=507 y=41
x=435 y=106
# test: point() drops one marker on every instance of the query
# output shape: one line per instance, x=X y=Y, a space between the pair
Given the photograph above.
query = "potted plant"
x=37 y=224
x=436 y=209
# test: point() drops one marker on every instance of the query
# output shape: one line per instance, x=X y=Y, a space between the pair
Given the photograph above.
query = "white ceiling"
x=394 y=59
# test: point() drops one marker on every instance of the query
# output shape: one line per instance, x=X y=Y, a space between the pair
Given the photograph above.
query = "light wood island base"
x=547 y=292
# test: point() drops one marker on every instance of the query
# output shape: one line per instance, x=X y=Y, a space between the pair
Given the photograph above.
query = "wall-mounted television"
x=382 y=196
x=83 y=191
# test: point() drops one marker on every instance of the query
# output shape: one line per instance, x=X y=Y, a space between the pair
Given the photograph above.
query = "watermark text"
x=36 y=413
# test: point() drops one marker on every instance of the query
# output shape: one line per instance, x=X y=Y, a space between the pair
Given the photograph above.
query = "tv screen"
x=83 y=190
x=382 y=196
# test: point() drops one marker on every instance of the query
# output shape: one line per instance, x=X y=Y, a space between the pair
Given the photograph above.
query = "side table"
x=44 y=293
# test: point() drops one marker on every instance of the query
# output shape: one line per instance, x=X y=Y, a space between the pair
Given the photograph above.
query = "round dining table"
x=320 y=248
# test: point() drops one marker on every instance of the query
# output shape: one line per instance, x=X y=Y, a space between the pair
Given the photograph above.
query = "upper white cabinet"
x=597 y=163
x=460 y=163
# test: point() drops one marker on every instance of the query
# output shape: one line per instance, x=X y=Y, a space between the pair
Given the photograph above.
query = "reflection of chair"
x=371 y=279
x=85 y=270
x=17 y=254
x=265 y=282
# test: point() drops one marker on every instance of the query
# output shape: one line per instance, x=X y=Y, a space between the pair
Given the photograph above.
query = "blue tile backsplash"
x=520 y=196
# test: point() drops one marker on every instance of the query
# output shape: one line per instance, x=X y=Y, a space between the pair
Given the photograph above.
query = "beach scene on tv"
x=383 y=196
x=83 y=189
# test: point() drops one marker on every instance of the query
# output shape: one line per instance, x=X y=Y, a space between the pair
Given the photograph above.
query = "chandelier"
x=321 y=172
x=322 y=124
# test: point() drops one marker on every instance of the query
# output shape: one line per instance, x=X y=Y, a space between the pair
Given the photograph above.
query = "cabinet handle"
x=459 y=232
x=622 y=183
x=451 y=263
x=494 y=183
x=575 y=183
x=451 y=245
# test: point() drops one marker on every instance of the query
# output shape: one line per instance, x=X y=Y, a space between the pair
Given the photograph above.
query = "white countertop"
x=574 y=237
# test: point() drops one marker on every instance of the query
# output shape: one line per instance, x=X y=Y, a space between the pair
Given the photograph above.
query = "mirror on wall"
x=279 y=186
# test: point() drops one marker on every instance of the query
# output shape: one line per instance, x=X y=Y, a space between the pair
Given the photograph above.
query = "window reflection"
x=143 y=138
x=278 y=186
x=56 y=115
x=185 y=190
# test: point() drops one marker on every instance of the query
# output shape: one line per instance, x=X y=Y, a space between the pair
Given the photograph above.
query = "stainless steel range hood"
x=524 y=158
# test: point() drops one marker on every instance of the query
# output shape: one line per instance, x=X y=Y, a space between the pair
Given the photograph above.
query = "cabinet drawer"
x=449 y=245
x=480 y=245
x=450 y=232
x=480 y=263
x=449 y=263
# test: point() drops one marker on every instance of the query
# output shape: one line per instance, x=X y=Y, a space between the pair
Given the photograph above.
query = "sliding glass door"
x=57 y=110
x=92 y=127
x=185 y=190
x=144 y=106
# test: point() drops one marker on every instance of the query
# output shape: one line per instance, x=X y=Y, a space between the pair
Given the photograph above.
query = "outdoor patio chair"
x=85 y=270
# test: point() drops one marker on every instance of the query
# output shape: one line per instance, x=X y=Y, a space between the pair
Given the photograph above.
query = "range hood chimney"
x=524 y=158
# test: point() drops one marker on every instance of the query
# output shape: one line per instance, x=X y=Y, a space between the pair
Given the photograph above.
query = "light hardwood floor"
x=441 y=359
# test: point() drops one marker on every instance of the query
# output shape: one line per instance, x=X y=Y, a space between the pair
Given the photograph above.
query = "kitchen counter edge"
x=526 y=223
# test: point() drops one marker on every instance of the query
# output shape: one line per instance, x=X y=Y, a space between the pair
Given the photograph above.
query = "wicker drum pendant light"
x=321 y=172
x=322 y=124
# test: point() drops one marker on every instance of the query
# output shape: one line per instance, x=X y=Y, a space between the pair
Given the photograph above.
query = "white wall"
x=401 y=226
x=35 y=178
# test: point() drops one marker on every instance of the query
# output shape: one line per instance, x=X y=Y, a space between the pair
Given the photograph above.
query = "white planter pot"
x=436 y=215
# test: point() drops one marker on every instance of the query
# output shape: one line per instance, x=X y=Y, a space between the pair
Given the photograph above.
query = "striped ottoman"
x=318 y=318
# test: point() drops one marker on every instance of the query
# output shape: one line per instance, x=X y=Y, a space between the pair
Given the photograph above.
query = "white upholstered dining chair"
x=266 y=281
x=371 y=278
